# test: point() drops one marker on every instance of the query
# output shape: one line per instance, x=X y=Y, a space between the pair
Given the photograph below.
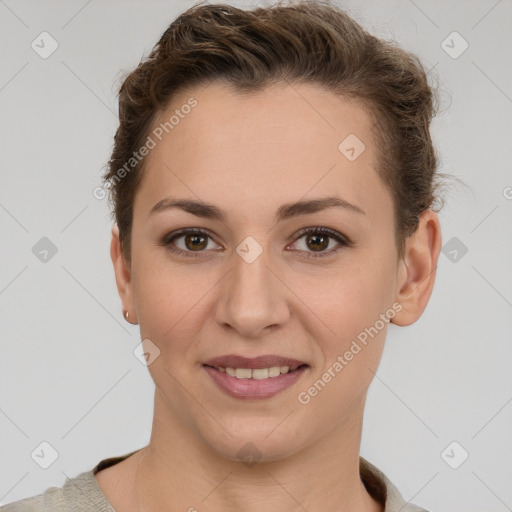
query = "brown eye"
x=188 y=242
x=317 y=241
x=194 y=242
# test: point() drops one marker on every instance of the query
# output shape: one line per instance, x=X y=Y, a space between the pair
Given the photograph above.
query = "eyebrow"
x=286 y=211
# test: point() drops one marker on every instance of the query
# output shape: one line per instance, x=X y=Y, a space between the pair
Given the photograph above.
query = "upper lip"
x=265 y=361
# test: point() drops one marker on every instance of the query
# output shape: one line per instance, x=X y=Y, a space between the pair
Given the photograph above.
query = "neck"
x=178 y=471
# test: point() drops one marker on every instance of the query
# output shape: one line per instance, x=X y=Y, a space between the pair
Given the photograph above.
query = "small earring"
x=126 y=315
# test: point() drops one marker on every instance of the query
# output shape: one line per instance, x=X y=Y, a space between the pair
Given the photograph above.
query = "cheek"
x=352 y=346
x=170 y=314
x=356 y=308
x=351 y=299
x=170 y=301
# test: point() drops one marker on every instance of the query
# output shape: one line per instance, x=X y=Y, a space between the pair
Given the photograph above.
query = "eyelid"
x=341 y=239
x=168 y=240
x=332 y=233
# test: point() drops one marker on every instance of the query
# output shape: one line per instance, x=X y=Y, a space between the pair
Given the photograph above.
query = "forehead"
x=261 y=149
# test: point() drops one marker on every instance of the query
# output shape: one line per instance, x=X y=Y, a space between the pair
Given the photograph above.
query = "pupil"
x=316 y=237
x=195 y=244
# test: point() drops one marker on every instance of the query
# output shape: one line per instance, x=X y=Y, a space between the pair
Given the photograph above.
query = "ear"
x=417 y=269
x=122 y=273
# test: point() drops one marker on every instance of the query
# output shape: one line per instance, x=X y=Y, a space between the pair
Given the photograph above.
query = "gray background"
x=68 y=373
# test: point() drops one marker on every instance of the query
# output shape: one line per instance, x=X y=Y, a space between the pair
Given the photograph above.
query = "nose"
x=252 y=298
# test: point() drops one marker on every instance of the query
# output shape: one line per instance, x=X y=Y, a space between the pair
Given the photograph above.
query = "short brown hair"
x=308 y=41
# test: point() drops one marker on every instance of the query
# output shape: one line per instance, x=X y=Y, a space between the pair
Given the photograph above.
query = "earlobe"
x=122 y=273
x=418 y=269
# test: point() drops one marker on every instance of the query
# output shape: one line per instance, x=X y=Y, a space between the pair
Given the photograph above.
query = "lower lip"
x=254 y=388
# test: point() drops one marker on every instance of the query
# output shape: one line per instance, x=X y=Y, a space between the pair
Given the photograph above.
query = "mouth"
x=257 y=378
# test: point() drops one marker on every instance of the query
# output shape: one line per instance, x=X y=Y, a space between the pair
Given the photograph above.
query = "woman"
x=273 y=181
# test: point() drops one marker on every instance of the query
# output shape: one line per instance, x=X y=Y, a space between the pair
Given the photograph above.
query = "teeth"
x=257 y=373
x=243 y=373
x=260 y=373
x=275 y=371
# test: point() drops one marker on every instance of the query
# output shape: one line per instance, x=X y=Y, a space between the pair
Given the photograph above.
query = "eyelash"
x=341 y=239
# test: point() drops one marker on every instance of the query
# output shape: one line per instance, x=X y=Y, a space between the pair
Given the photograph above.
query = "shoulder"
x=51 y=500
x=383 y=490
x=79 y=494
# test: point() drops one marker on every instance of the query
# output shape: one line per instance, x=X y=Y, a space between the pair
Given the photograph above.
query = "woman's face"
x=253 y=284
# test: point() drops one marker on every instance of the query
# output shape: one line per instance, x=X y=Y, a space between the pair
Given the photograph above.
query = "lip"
x=264 y=361
x=253 y=388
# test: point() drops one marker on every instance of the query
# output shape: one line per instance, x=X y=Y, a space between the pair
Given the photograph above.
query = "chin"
x=253 y=445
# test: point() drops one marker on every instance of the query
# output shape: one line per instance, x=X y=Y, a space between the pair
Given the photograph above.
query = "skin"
x=248 y=155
